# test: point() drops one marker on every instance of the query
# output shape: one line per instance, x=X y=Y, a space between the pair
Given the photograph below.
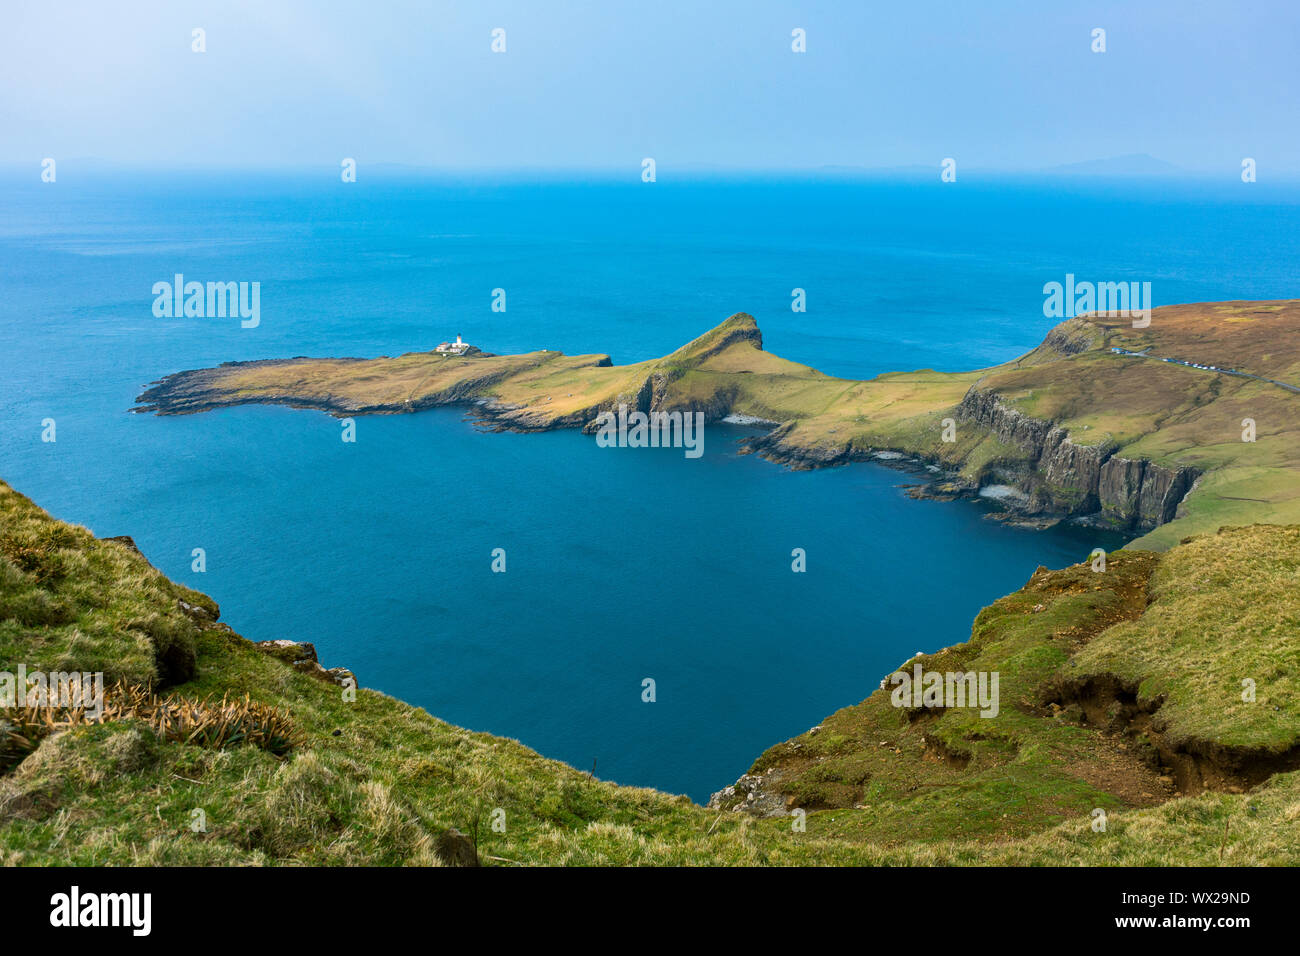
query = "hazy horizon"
x=1005 y=87
x=1100 y=171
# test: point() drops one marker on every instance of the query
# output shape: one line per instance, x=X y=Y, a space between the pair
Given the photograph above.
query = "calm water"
x=622 y=564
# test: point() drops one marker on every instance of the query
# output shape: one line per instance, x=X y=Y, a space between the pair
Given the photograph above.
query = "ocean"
x=621 y=565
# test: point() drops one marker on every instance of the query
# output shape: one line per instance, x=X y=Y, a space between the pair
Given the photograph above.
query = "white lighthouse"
x=459 y=347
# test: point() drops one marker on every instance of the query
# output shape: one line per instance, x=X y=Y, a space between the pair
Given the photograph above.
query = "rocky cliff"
x=1061 y=476
x=1054 y=475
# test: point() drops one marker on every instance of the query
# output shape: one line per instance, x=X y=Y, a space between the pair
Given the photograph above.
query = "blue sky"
x=1004 y=85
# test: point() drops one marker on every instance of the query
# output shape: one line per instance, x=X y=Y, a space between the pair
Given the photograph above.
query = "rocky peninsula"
x=1174 y=428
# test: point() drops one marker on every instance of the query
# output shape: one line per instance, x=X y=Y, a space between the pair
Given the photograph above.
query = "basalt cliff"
x=1059 y=476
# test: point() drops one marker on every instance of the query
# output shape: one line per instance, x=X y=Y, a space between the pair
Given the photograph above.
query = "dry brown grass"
x=204 y=723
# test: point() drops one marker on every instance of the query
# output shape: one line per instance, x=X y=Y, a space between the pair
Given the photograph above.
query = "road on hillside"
x=1206 y=368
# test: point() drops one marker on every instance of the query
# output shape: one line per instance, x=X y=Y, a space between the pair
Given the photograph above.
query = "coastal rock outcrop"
x=1036 y=468
x=753 y=794
x=778 y=446
x=302 y=657
x=1119 y=488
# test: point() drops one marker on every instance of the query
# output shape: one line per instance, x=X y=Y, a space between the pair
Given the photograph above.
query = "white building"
x=453 y=348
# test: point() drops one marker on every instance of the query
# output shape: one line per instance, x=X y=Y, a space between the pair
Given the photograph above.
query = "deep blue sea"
x=621 y=564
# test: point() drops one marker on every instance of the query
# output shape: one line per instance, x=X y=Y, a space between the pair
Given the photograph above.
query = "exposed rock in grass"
x=302 y=656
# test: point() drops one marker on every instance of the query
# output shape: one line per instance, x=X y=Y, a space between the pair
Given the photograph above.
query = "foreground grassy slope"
x=376 y=781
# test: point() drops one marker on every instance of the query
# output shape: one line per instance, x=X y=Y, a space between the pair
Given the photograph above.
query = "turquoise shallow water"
x=622 y=564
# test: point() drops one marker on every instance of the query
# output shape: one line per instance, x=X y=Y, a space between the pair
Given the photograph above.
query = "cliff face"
x=1063 y=477
x=657 y=392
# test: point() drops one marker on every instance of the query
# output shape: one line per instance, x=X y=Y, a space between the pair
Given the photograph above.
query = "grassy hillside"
x=1155 y=647
x=1120 y=688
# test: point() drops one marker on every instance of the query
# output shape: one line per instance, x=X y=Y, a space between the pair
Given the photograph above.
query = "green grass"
x=1224 y=612
x=1022 y=771
x=70 y=602
x=377 y=782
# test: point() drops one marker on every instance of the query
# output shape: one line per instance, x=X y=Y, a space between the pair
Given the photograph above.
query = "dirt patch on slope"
x=1109 y=705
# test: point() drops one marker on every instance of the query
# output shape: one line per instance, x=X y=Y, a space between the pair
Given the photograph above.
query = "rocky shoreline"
x=1051 y=478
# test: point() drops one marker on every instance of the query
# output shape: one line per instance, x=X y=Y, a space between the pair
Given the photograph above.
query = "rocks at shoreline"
x=302 y=657
x=752 y=794
x=1055 y=479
